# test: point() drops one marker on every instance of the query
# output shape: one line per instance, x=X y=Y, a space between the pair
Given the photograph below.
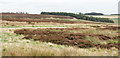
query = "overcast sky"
x=75 y=6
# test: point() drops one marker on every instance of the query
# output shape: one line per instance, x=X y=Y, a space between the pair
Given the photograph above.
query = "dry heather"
x=33 y=16
x=64 y=37
x=14 y=45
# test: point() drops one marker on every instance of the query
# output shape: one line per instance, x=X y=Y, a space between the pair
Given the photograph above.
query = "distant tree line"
x=17 y=12
x=94 y=13
x=79 y=16
x=115 y=14
x=22 y=12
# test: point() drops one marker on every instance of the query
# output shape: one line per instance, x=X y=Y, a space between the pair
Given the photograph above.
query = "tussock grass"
x=17 y=49
x=0 y=49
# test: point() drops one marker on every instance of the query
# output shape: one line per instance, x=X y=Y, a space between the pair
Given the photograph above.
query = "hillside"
x=41 y=35
x=33 y=16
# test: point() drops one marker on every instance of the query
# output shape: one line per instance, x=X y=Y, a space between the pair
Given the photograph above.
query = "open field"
x=112 y=17
x=105 y=16
x=58 y=37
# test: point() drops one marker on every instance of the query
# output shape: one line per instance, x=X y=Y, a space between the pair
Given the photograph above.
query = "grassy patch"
x=115 y=20
x=94 y=40
x=112 y=41
x=36 y=26
x=10 y=26
x=110 y=33
x=48 y=26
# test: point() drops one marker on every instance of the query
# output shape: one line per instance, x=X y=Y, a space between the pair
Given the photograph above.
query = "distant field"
x=112 y=17
x=104 y=16
x=115 y=20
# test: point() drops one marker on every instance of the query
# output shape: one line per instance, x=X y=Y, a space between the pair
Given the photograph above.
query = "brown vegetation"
x=107 y=27
x=65 y=38
x=40 y=20
x=34 y=16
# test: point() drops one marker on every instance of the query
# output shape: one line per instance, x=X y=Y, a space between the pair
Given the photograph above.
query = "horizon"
x=66 y=12
x=76 y=6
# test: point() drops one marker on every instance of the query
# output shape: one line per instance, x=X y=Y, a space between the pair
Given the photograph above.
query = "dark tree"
x=93 y=13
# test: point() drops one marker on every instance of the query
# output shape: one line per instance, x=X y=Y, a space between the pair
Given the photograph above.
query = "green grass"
x=76 y=20
x=11 y=26
x=109 y=33
x=112 y=41
x=94 y=40
x=115 y=20
x=48 y=26
x=36 y=26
